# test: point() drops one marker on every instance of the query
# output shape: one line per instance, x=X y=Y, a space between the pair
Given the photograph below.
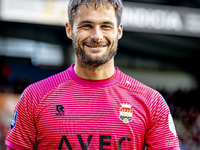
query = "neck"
x=95 y=73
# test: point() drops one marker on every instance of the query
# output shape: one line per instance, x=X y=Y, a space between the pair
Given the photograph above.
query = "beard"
x=92 y=62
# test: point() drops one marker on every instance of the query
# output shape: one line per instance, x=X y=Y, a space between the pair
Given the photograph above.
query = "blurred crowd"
x=184 y=106
x=16 y=86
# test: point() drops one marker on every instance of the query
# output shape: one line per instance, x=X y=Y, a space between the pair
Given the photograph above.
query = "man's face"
x=95 y=34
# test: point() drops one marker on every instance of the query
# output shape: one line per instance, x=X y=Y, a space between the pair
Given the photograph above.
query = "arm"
x=22 y=132
x=161 y=133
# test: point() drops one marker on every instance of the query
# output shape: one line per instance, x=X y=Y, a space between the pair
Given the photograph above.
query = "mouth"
x=96 y=47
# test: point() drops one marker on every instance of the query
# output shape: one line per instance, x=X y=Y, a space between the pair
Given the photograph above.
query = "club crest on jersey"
x=126 y=113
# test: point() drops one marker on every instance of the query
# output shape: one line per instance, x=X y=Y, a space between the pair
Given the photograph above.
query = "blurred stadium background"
x=160 y=47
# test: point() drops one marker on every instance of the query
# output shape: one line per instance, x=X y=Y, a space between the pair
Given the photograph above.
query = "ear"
x=68 y=29
x=120 y=31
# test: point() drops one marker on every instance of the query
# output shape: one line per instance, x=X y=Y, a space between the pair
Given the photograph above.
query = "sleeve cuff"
x=9 y=144
x=173 y=148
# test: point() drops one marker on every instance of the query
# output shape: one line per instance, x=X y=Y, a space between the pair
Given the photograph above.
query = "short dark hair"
x=73 y=5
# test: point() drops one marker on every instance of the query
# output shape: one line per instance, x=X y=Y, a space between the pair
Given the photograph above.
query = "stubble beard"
x=93 y=63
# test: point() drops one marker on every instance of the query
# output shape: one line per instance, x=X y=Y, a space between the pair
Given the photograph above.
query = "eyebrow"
x=108 y=22
x=85 y=21
x=105 y=22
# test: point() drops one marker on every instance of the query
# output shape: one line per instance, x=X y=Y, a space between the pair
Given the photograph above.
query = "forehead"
x=96 y=12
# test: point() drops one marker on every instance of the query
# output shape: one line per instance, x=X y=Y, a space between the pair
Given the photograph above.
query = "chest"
x=94 y=116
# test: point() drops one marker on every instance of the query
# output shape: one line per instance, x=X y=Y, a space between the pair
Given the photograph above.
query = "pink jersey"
x=67 y=112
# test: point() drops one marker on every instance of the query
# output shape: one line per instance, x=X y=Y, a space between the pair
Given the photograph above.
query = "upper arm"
x=22 y=130
x=161 y=133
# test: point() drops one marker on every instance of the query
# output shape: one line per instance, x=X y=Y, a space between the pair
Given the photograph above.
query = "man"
x=92 y=105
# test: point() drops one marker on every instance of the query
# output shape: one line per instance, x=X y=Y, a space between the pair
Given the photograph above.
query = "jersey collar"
x=94 y=83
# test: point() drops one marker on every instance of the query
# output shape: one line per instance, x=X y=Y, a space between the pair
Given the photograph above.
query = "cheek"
x=111 y=35
x=112 y=38
x=80 y=37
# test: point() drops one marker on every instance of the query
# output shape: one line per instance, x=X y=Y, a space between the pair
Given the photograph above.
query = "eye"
x=86 y=26
x=106 y=27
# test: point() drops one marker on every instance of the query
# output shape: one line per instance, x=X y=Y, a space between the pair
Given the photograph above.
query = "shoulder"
x=152 y=99
x=36 y=91
x=137 y=86
x=51 y=82
x=149 y=95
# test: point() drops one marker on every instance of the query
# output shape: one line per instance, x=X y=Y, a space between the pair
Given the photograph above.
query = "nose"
x=97 y=34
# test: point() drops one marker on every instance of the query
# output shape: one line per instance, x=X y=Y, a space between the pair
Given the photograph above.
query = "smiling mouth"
x=96 y=46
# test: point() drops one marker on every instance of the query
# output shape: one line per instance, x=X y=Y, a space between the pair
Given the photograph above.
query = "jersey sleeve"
x=14 y=147
x=161 y=133
x=22 y=131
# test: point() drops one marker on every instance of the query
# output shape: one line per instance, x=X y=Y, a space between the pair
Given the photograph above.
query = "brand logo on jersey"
x=126 y=113
x=60 y=110
x=14 y=120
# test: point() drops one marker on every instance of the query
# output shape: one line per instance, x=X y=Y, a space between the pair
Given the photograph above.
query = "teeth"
x=93 y=46
x=96 y=46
